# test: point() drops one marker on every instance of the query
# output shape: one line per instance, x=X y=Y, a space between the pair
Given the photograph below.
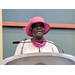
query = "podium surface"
x=40 y=59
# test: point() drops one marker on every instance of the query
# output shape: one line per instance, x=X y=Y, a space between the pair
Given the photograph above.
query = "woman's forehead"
x=39 y=23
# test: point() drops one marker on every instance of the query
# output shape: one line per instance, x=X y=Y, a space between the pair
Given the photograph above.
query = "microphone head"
x=16 y=42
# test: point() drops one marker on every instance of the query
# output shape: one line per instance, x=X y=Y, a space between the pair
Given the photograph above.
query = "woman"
x=36 y=29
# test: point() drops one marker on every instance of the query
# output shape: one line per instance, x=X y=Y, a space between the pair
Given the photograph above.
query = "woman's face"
x=38 y=30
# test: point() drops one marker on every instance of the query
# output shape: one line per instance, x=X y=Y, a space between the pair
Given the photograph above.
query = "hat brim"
x=28 y=28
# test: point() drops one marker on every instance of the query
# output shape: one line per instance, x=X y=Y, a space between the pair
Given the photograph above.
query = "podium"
x=40 y=59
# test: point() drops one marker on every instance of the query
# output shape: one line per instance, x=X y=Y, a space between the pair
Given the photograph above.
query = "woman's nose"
x=38 y=27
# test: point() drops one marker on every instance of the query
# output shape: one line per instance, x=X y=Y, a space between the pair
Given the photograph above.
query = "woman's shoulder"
x=26 y=40
x=23 y=42
x=48 y=41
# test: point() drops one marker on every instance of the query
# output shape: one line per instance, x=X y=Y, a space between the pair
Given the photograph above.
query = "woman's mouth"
x=39 y=31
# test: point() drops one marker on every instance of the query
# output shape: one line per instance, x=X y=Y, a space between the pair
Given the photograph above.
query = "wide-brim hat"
x=36 y=20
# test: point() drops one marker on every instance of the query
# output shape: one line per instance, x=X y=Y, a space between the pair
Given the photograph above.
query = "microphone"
x=17 y=42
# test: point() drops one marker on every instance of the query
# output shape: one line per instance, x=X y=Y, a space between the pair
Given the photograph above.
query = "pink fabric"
x=39 y=44
x=24 y=29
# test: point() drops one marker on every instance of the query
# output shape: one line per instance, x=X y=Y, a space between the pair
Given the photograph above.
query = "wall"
x=1 y=46
x=61 y=37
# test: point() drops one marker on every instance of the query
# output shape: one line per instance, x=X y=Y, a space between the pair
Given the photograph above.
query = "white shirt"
x=30 y=48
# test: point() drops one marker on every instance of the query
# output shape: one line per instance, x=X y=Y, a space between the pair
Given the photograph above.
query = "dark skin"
x=38 y=31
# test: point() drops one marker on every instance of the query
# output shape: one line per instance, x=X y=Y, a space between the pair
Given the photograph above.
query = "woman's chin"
x=39 y=34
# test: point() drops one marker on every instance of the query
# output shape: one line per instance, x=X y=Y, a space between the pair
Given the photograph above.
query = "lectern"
x=40 y=59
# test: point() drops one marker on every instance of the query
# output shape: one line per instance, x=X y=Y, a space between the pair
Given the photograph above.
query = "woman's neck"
x=39 y=40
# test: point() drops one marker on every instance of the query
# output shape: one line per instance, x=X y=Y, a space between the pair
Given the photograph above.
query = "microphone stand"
x=17 y=42
x=23 y=46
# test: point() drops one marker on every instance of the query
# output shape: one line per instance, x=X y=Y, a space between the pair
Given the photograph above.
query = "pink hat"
x=36 y=20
